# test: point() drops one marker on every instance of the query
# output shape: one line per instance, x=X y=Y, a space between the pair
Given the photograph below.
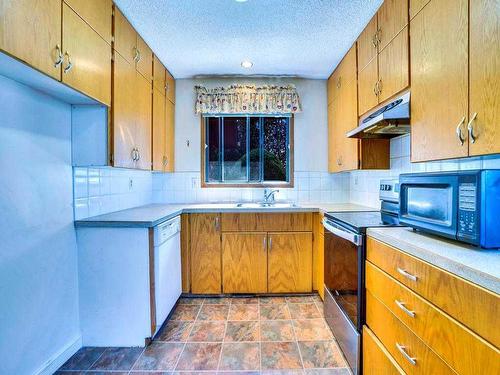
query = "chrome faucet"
x=269 y=196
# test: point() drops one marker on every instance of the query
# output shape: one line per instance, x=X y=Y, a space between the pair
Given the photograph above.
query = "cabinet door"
x=159 y=75
x=145 y=59
x=170 y=137
x=484 y=70
x=123 y=112
x=170 y=86
x=244 y=263
x=30 y=31
x=348 y=147
x=143 y=112
x=367 y=48
x=367 y=79
x=392 y=18
x=97 y=13
x=125 y=37
x=206 y=272
x=289 y=262
x=87 y=65
x=376 y=359
x=159 y=131
x=439 y=97
x=393 y=69
x=332 y=147
x=416 y=6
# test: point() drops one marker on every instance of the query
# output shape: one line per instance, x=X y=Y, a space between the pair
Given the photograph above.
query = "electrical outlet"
x=194 y=183
x=355 y=180
x=130 y=184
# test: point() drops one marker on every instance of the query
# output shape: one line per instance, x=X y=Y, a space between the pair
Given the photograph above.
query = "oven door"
x=344 y=294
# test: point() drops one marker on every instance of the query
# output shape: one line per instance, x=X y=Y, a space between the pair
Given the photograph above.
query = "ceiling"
x=304 y=38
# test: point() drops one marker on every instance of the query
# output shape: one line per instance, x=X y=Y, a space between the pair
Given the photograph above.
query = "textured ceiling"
x=305 y=38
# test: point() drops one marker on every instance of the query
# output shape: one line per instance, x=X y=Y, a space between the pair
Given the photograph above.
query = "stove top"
x=358 y=221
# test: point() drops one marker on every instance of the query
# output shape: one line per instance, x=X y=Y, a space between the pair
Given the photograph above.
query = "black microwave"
x=461 y=205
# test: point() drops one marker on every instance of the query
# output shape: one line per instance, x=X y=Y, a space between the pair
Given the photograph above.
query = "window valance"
x=247 y=99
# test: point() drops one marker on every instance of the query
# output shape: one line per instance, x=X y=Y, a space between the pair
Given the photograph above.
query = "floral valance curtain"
x=247 y=99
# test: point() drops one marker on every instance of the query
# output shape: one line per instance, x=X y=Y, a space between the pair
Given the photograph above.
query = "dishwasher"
x=167 y=266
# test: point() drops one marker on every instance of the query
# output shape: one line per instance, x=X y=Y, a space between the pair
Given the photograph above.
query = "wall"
x=312 y=182
x=38 y=256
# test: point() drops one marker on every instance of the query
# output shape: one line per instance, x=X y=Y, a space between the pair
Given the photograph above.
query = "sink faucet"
x=269 y=195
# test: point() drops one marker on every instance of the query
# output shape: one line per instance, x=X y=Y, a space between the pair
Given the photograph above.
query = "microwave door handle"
x=351 y=237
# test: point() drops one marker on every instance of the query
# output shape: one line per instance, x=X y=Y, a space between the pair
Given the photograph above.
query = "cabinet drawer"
x=273 y=222
x=470 y=304
x=462 y=350
x=376 y=358
x=408 y=350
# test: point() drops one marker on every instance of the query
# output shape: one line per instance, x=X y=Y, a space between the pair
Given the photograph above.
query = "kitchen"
x=183 y=192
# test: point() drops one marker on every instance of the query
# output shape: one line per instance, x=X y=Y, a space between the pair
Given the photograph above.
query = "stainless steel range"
x=345 y=255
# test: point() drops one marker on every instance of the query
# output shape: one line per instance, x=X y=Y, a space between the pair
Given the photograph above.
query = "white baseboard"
x=53 y=364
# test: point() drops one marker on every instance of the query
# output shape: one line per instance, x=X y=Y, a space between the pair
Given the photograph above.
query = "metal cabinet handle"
x=217 y=223
x=470 y=128
x=136 y=54
x=459 y=131
x=375 y=89
x=402 y=350
x=60 y=56
x=406 y=274
x=165 y=161
x=270 y=242
x=70 y=64
x=167 y=88
x=379 y=87
x=132 y=154
x=374 y=40
x=265 y=242
x=402 y=306
x=139 y=57
x=378 y=36
x=138 y=155
x=339 y=82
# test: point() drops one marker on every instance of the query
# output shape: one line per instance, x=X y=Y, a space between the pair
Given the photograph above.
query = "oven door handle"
x=356 y=239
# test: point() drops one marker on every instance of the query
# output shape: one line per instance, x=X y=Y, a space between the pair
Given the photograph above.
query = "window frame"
x=260 y=184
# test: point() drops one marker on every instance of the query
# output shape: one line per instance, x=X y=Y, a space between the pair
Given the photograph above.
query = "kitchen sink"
x=265 y=205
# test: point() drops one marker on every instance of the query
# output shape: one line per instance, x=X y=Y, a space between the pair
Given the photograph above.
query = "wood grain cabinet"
x=376 y=358
x=206 y=255
x=97 y=13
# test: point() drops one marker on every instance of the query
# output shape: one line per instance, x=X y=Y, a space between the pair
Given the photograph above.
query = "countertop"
x=479 y=266
x=151 y=215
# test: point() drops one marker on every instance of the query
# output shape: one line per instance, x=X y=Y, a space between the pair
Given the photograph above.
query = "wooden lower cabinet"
x=244 y=262
x=376 y=358
x=205 y=241
x=289 y=262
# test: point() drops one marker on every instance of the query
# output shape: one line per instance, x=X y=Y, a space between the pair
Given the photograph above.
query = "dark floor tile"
x=213 y=312
x=242 y=331
x=321 y=354
x=159 y=356
x=273 y=312
x=312 y=330
x=191 y=301
x=175 y=331
x=276 y=330
x=243 y=312
x=280 y=355
x=240 y=356
x=304 y=311
x=185 y=312
x=208 y=331
x=119 y=359
x=199 y=357
x=83 y=359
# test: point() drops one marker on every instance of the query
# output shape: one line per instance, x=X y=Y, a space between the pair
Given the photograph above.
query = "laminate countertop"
x=479 y=266
x=151 y=215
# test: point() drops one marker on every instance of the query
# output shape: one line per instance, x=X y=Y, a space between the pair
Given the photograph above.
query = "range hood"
x=391 y=120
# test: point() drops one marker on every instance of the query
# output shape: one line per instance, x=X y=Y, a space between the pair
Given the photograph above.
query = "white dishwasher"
x=167 y=263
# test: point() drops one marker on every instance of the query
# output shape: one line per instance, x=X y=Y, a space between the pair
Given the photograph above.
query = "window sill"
x=256 y=185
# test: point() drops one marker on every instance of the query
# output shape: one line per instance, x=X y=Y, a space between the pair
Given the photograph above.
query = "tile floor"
x=266 y=335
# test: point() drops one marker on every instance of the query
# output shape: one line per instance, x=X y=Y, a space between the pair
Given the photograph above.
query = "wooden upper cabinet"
x=159 y=130
x=484 y=77
x=348 y=147
x=332 y=146
x=367 y=46
x=367 y=92
x=97 y=13
x=244 y=263
x=206 y=260
x=159 y=75
x=125 y=37
x=31 y=31
x=416 y=6
x=143 y=105
x=123 y=127
x=145 y=59
x=170 y=86
x=289 y=262
x=87 y=64
x=170 y=137
x=393 y=69
x=392 y=18
x=439 y=88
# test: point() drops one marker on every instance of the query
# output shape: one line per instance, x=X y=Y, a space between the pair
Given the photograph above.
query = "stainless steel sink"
x=265 y=205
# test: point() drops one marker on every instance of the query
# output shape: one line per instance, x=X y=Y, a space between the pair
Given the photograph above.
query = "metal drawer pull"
x=70 y=64
x=402 y=349
x=459 y=131
x=60 y=57
x=402 y=306
x=406 y=274
x=470 y=127
x=270 y=243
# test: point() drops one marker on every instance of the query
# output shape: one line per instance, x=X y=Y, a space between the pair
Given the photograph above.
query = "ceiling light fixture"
x=246 y=64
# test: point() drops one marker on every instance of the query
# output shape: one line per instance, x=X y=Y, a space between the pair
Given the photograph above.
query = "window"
x=247 y=150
